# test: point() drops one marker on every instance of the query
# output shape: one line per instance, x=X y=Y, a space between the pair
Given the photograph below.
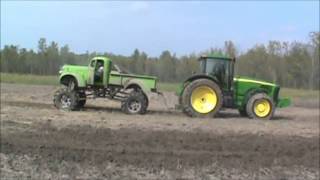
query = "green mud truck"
x=103 y=79
x=215 y=87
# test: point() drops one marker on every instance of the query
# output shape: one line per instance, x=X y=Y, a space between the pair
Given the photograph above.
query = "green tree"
x=53 y=58
x=230 y=49
x=42 y=52
x=292 y=64
x=166 y=67
x=9 y=59
x=66 y=56
x=315 y=71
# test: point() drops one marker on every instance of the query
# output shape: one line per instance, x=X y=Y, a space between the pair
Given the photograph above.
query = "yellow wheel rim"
x=203 y=99
x=262 y=108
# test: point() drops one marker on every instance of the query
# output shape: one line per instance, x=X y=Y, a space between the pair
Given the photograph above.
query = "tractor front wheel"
x=260 y=106
x=201 y=98
x=136 y=103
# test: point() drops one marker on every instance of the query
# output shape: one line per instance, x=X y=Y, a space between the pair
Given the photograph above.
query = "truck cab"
x=99 y=70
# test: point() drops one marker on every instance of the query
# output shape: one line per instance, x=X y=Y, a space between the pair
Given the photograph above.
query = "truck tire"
x=65 y=99
x=201 y=98
x=260 y=106
x=136 y=103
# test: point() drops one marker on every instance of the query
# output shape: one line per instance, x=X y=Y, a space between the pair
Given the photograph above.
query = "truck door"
x=92 y=67
x=106 y=73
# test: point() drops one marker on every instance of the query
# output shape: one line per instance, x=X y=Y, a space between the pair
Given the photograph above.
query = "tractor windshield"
x=217 y=68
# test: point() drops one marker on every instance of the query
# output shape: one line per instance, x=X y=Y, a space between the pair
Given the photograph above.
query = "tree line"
x=290 y=64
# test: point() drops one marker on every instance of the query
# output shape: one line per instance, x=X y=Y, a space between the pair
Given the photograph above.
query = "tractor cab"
x=220 y=68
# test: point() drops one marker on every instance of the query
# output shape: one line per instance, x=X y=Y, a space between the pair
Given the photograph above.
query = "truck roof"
x=100 y=57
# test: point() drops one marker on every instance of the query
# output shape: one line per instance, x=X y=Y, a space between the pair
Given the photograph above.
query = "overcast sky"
x=181 y=27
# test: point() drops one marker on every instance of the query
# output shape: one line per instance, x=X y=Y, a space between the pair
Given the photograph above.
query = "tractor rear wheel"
x=136 y=103
x=201 y=98
x=260 y=106
x=65 y=99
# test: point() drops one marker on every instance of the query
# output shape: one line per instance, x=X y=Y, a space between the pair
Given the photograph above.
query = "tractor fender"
x=250 y=93
x=199 y=76
x=192 y=78
x=79 y=79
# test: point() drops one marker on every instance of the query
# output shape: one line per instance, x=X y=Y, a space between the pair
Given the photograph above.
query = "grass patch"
x=299 y=93
x=53 y=80
x=29 y=79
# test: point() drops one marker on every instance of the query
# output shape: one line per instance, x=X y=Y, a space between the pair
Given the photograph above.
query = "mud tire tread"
x=186 y=95
x=250 y=106
x=72 y=94
x=135 y=95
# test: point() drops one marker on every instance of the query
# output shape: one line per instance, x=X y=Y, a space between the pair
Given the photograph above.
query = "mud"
x=100 y=142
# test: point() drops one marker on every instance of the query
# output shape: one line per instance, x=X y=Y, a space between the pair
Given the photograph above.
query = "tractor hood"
x=252 y=81
x=243 y=84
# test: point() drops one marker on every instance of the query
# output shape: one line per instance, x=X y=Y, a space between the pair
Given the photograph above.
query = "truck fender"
x=132 y=83
x=80 y=81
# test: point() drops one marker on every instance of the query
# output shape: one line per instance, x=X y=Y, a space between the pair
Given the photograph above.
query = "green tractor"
x=103 y=79
x=215 y=87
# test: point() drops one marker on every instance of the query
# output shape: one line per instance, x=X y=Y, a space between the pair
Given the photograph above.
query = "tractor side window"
x=211 y=67
x=218 y=69
x=203 y=66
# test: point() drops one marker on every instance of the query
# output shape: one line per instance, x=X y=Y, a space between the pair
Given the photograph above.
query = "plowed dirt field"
x=100 y=142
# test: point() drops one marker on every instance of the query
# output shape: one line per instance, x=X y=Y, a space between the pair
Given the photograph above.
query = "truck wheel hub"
x=203 y=99
x=65 y=101
x=134 y=106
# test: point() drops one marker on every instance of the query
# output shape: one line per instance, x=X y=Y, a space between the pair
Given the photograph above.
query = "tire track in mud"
x=28 y=104
x=161 y=149
x=108 y=109
x=40 y=105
